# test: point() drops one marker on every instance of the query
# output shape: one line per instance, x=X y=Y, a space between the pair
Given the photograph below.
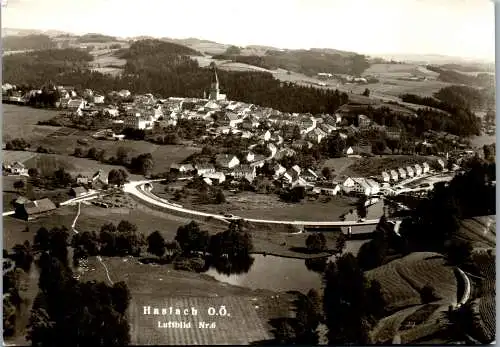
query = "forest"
x=21 y=43
x=156 y=67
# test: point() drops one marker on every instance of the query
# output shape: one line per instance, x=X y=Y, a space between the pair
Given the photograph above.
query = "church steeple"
x=214 y=86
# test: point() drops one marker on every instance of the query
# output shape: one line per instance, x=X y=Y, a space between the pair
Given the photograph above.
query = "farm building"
x=16 y=168
x=204 y=168
x=78 y=192
x=33 y=209
x=327 y=190
x=181 y=167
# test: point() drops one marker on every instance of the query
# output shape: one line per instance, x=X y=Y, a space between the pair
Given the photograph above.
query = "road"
x=136 y=189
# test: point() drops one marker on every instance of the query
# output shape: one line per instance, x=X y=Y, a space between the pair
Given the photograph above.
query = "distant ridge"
x=213 y=47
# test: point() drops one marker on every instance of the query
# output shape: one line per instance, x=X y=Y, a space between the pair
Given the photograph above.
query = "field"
x=20 y=121
x=412 y=324
x=485 y=304
x=161 y=286
x=338 y=165
x=481 y=231
x=402 y=280
x=269 y=206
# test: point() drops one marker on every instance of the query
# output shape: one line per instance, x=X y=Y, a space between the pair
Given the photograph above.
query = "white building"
x=226 y=161
x=139 y=122
x=385 y=176
x=402 y=173
x=218 y=177
x=202 y=169
x=425 y=167
x=394 y=175
x=410 y=171
x=418 y=170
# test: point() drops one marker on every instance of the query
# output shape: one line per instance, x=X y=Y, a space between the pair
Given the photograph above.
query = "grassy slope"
x=402 y=279
x=375 y=165
x=162 y=286
x=481 y=231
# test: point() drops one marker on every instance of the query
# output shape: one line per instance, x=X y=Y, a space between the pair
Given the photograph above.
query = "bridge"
x=142 y=190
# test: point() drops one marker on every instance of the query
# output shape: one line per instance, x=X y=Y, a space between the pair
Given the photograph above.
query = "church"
x=215 y=94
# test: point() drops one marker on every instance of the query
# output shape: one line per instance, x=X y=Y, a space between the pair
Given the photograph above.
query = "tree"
x=156 y=244
x=23 y=256
x=236 y=241
x=122 y=156
x=459 y=252
x=219 y=197
x=117 y=177
x=428 y=294
x=78 y=152
x=316 y=242
x=335 y=146
x=327 y=173
x=284 y=333
x=92 y=153
x=62 y=178
x=366 y=92
x=191 y=238
x=33 y=172
x=361 y=209
x=18 y=185
x=347 y=298
x=340 y=244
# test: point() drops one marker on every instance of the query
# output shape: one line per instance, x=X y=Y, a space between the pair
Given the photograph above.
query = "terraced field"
x=481 y=231
x=487 y=303
x=402 y=279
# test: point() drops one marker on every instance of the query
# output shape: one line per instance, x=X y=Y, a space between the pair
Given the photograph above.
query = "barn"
x=33 y=209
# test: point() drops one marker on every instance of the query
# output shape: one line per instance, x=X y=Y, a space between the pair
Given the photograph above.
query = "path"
x=98 y=257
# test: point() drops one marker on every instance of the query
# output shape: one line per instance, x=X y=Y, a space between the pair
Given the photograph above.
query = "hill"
x=96 y=38
x=149 y=48
x=480 y=231
x=28 y=42
x=402 y=280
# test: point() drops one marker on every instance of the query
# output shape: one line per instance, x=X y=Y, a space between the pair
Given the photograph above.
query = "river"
x=278 y=273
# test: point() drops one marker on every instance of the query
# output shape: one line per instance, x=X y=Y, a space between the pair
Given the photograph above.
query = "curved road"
x=136 y=189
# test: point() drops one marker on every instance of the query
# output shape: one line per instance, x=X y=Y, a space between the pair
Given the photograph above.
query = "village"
x=271 y=136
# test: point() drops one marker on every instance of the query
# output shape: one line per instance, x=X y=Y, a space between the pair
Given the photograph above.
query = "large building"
x=215 y=90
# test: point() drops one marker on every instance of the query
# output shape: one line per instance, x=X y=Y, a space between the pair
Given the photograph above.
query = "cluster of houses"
x=15 y=168
x=406 y=172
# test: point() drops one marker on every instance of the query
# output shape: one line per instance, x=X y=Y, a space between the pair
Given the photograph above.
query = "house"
x=425 y=167
x=181 y=167
x=349 y=151
x=363 y=121
x=250 y=123
x=202 y=169
x=418 y=170
x=301 y=144
x=77 y=192
x=356 y=185
x=98 y=99
x=316 y=135
x=296 y=169
x=402 y=173
x=250 y=157
x=75 y=106
x=17 y=168
x=278 y=171
x=124 y=93
x=266 y=136
x=394 y=175
x=328 y=128
x=385 y=176
x=374 y=186
x=20 y=201
x=217 y=177
x=300 y=182
x=231 y=119
x=139 y=122
x=309 y=175
x=327 y=190
x=227 y=161
x=245 y=171
x=32 y=209
x=441 y=163
x=272 y=148
x=410 y=171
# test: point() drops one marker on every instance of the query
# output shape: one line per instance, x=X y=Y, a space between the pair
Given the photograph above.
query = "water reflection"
x=231 y=266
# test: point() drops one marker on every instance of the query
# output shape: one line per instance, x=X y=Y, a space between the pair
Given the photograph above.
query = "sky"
x=462 y=28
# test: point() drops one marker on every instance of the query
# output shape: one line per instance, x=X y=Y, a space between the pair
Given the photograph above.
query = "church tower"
x=214 y=87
